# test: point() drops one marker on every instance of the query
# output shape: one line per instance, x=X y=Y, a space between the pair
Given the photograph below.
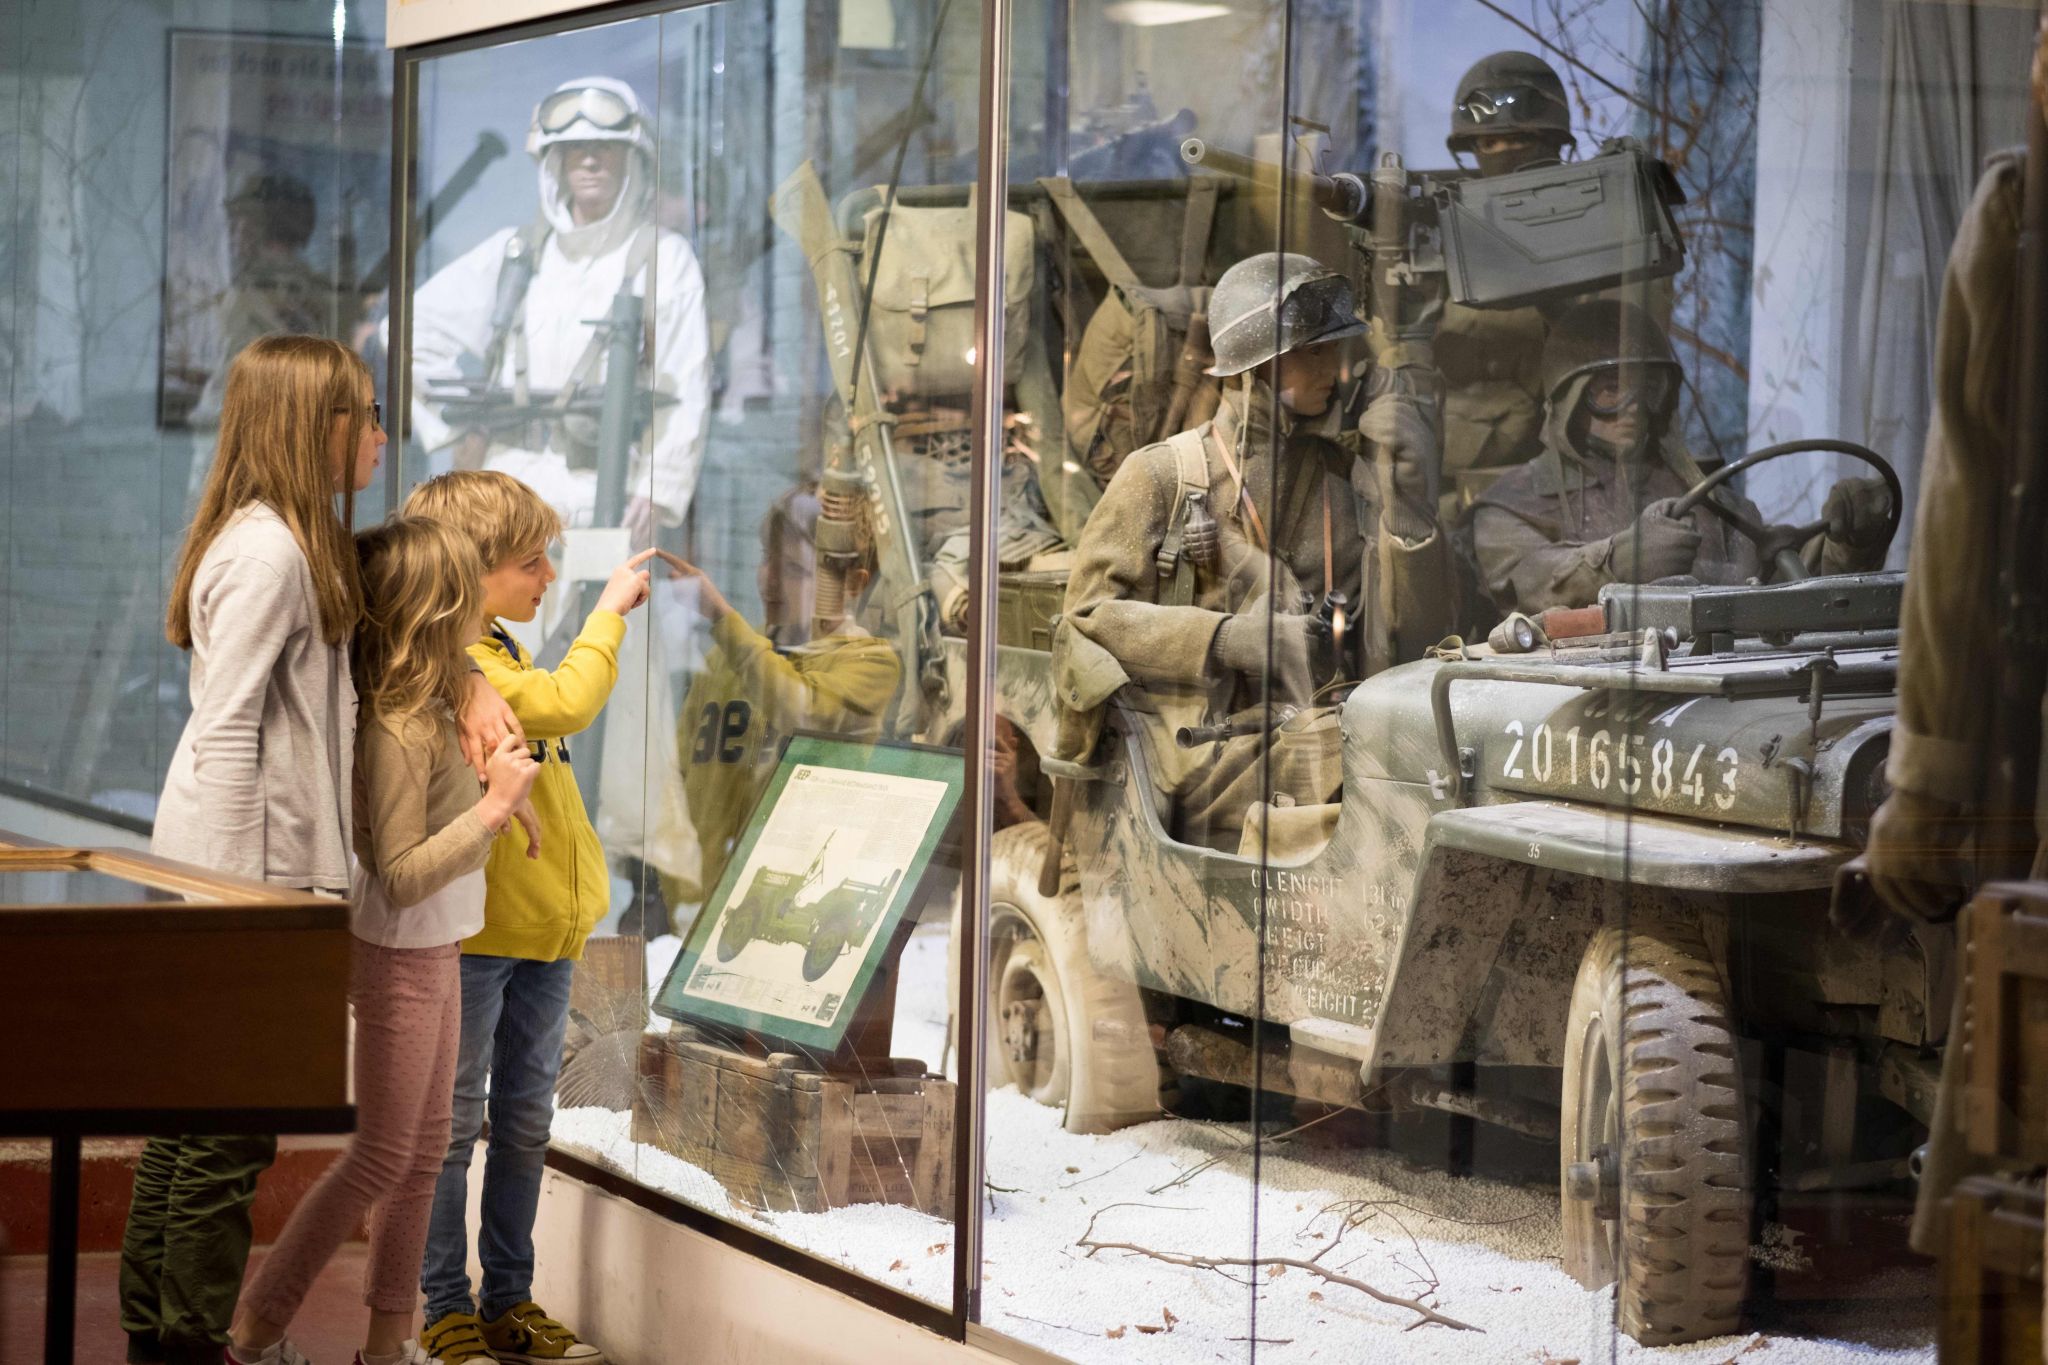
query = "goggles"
x=1525 y=101
x=1609 y=392
x=600 y=108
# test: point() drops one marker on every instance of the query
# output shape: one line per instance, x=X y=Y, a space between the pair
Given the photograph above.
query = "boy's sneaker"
x=281 y=1352
x=454 y=1339
x=525 y=1335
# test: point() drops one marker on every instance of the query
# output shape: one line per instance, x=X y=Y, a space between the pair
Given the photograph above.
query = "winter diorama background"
x=1488 y=1244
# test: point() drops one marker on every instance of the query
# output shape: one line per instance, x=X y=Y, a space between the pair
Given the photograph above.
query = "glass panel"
x=758 y=1022
x=1581 y=864
x=177 y=184
x=1122 y=968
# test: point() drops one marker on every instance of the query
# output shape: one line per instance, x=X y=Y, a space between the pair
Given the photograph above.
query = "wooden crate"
x=781 y=1135
x=2005 y=1025
x=1991 y=1273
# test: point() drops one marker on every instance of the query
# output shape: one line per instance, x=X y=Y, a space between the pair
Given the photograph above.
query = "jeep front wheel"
x=1063 y=1032
x=1653 y=1159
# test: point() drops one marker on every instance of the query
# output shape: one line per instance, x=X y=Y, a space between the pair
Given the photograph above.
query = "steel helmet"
x=1509 y=92
x=589 y=109
x=1275 y=302
x=1599 y=334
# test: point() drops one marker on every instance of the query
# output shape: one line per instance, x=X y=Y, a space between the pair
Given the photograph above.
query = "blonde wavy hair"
x=507 y=520
x=276 y=419
x=423 y=602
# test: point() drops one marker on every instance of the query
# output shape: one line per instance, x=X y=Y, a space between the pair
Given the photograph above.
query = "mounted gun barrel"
x=1343 y=196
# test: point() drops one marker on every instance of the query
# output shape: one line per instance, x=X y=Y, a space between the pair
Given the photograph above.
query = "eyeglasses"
x=376 y=413
x=1483 y=106
x=598 y=107
x=1610 y=391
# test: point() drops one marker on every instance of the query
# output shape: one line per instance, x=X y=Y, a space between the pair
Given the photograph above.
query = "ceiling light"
x=1156 y=13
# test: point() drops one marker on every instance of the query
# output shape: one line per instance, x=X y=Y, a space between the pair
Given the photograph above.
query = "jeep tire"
x=1654 y=1153
x=1063 y=1032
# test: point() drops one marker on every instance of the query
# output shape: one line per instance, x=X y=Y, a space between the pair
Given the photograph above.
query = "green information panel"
x=810 y=904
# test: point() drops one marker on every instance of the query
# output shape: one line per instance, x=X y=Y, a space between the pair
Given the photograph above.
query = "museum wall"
x=127 y=127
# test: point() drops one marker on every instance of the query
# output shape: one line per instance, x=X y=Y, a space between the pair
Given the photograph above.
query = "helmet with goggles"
x=1620 y=351
x=589 y=109
x=1275 y=302
x=1509 y=94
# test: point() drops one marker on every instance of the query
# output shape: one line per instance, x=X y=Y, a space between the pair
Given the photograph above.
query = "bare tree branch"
x=1220 y=1264
x=1571 y=58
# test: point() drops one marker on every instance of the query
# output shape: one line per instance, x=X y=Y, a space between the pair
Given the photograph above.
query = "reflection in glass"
x=788 y=1075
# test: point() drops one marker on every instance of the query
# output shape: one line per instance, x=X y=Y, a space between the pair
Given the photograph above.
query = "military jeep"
x=826 y=925
x=1580 y=891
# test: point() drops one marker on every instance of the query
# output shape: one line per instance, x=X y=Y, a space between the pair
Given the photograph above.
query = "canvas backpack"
x=1138 y=375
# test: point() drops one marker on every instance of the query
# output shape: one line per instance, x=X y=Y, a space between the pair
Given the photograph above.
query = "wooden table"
x=151 y=998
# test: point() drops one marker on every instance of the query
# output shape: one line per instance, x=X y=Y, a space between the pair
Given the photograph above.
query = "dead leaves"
x=1166 y=1323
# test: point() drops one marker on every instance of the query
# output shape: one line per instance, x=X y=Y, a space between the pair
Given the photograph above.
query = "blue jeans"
x=514 y=1012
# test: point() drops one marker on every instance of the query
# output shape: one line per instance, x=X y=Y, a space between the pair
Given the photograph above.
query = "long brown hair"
x=275 y=420
x=423 y=602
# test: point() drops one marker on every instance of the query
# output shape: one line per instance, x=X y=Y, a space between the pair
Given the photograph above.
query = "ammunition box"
x=2005 y=1023
x=1991 y=1274
x=1555 y=231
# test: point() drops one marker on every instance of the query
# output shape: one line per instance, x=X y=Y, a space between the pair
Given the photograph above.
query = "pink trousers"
x=408 y=1009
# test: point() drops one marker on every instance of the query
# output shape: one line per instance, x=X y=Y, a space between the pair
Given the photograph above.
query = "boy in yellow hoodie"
x=537 y=913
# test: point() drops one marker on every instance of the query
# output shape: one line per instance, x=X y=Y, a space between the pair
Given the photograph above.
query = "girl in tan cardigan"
x=422 y=833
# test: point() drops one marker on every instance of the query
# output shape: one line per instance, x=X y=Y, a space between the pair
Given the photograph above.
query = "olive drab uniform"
x=1558 y=529
x=1492 y=366
x=749 y=698
x=1951 y=617
x=1138 y=611
x=1545 y=532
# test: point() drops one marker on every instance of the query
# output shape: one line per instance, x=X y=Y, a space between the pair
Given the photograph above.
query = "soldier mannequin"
x=1594 y=506
x=1208 y=628
x=595 y=166
x=1936 y=835
x=1510 y=114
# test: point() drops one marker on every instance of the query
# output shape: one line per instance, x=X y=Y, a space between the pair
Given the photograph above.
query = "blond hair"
x=507 y=520
x=423 y=600
x=276 y=421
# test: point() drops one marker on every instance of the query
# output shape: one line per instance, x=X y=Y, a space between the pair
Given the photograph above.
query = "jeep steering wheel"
x=1779 y=544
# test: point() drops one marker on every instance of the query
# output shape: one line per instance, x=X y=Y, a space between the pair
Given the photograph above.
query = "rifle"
x=801 y=210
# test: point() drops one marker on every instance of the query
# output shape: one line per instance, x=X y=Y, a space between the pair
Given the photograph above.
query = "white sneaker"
x=280 y=1352
x=411 y=1353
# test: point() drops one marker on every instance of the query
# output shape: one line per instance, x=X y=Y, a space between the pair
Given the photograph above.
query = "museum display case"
x=1275 y=636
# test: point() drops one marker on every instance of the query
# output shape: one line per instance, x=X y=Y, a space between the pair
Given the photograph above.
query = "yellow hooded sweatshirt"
x=544 y=908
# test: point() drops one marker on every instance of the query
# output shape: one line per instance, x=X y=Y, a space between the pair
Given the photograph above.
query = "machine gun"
x=1503 y=241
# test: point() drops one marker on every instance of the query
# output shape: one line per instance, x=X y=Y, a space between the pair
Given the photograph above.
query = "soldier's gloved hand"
x=1399 y=425
x=1859 y=513
x=1655 y=545
x=1298 y=645
x=1912 y=857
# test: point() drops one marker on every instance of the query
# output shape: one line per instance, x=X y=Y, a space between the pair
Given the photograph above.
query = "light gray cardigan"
x=260 y=782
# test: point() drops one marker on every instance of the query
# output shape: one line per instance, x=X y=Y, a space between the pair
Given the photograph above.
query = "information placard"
x=829 y=864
